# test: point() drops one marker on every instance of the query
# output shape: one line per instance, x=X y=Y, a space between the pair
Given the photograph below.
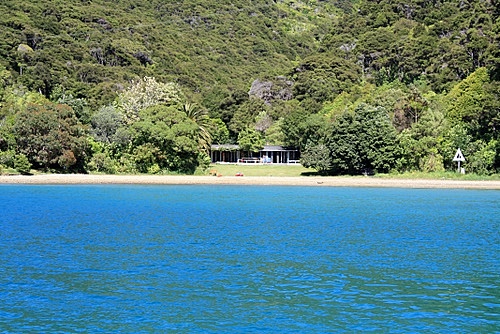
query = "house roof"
x=233 y=147
x=274 y=148
x=225 y=147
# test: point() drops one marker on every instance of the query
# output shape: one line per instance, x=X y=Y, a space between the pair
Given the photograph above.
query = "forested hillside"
x=147 y=86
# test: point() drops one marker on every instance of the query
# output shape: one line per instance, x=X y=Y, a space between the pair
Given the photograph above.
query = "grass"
x=441 y=176
x=298 y=170
x=8 y=171
x=260 y=170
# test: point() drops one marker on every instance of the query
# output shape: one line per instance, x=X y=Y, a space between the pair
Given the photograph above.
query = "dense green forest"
x=135 y=86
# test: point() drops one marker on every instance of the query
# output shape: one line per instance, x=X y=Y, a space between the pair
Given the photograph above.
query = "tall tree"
x=363 y=140
x=145 y=93
x=50 y=136
x=473 y=102
x=200 y=117
x=165 y=139
x=250 y=140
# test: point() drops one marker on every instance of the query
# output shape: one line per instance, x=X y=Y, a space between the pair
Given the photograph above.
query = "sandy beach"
x=245 y=180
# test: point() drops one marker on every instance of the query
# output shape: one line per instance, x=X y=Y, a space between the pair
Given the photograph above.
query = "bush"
x=481 y=157
x=154 y=169
x=432 y=163
x=21 y=163
x=203 y=161
x=7 y=158
x=101 y=162
x=317 y=157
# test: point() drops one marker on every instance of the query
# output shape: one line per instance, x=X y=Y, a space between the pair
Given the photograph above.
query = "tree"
x=362 y=140
x=145 y=93
x=219 y=131
x=467 y=100
x=316 y=156
x=200 y=117
x=5 y=77
x=344 y=145
x=274 y=135
x=250 y=140
x=321 y=77
x=22 y=164
x=421 y=146
x=50 y=136
x=79 y=105
x=105 y=122
x=291 y=128
x=246 y=115
x=300 y=128
x=165 y=137
x=481 y=157
x=473 y=106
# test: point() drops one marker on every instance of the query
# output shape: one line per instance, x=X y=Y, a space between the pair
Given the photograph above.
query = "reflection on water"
x=248 y=259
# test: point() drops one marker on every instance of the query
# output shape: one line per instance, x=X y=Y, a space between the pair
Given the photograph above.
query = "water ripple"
x=248 y=259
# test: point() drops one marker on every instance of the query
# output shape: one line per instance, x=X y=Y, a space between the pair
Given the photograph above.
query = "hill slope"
x=91 y=47
x=354 y=84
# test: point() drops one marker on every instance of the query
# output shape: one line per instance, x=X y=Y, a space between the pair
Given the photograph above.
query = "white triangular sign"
x=459 y=156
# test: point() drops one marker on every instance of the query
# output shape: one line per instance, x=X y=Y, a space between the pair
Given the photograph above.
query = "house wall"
x=225 y=156
x=276 y=156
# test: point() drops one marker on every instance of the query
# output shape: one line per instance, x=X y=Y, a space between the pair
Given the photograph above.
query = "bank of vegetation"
x=147 y=86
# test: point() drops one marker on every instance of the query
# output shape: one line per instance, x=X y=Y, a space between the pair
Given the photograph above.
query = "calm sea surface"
x=143 y=259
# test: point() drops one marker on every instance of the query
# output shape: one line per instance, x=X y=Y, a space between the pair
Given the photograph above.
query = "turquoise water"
x=143 y=259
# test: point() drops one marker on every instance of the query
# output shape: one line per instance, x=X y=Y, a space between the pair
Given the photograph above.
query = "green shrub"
x=154 y=169
x=101 y=162
x=7 y=158
x=21 y=163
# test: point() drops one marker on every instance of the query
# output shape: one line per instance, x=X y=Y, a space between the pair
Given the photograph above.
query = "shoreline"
x=328 y=181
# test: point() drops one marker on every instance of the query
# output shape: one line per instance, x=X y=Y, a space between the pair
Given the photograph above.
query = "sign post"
x=459 y=157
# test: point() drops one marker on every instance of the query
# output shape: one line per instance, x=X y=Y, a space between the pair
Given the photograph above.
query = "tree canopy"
x=147 y=86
